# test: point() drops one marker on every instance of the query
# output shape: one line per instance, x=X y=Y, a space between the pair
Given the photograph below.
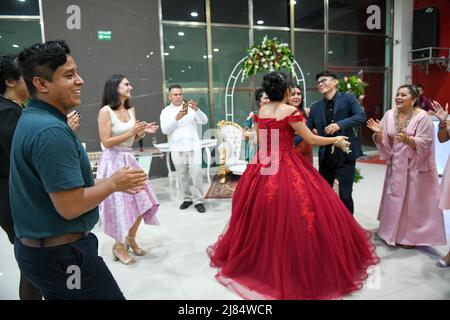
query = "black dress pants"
x=73 y=271
x=339 y=166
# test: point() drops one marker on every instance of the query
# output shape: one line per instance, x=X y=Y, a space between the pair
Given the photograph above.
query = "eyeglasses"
x=323 y=80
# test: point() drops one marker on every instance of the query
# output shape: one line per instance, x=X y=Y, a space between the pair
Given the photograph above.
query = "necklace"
x=402 y=129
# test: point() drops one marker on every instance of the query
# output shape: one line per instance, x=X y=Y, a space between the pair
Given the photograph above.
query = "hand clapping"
x=402 y=137
x=375 y=125
x=73 y=120
x=151 y=127
x=439 y=112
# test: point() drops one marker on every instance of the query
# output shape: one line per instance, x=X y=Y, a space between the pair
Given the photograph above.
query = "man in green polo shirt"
x=53 y=194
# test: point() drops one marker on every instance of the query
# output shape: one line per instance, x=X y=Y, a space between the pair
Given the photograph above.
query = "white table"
x=238 y=170
x=442 y=150
x=145 y=157
x=207 y=144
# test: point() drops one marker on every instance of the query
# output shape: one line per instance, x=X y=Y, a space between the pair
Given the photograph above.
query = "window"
x=350 y=15
x=22 y=8
x=271 y=13
x=243 y=104
x=185 y=56
x=17 y=35
x=309 y=14
x=357 y=50
x=229 y=46
x=309 y=55
x=229 y=11
x=186 y=10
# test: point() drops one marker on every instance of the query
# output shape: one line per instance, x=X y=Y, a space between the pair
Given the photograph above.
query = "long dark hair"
x=258 y=95
x=110 y=94
x=9 y=70
x=301 y=107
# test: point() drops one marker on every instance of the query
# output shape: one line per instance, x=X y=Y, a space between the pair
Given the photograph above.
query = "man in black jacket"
x=338 y=114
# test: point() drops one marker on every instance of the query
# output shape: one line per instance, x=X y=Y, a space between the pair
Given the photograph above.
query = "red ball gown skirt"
x=290 y=236
x=306 y=150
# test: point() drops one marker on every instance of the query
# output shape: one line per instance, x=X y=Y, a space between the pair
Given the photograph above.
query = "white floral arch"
x=236 y=74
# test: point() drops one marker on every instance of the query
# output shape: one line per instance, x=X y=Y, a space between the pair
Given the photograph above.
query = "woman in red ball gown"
x=289 y=235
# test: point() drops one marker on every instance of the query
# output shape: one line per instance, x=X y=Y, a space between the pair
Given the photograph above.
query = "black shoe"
x=186 y=204
x=200 y=207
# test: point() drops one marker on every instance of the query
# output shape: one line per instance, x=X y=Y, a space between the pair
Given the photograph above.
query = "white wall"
x=403 y=28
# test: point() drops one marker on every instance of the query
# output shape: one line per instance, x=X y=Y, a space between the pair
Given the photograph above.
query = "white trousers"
x=188 y=165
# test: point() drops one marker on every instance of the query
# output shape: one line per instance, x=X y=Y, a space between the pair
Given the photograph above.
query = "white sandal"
x=442 y=264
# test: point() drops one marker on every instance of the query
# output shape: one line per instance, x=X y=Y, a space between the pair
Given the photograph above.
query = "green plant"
x=270 y=55
x=358 y=175
x=352 y=84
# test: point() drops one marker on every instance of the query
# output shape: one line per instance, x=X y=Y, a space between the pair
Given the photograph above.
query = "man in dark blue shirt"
x=53 y=194
x=337 y=114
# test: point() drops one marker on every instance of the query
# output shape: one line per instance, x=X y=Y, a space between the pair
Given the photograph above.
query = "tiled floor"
x=177 y=267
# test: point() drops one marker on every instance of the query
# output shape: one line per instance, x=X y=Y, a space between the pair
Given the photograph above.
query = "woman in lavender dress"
x=121 y=213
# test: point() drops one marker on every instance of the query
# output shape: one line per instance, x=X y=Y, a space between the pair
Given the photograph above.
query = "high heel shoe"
x=131 y=243
x=122 y=257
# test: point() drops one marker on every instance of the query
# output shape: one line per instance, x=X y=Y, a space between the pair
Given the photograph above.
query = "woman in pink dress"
x=443 y=136
x=121 y=212
x=289 y=235
x=405 y=140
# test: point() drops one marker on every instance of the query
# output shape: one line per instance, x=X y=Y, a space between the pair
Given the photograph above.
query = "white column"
x=403 y=28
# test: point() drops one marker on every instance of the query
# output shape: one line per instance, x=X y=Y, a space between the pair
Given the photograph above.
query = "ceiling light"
x=216 y=49
x=182 y=71
x=15 y=45
x=194 y=14
x=171 y=47
x=181 y=33
x=260 y=22
x=166 y=53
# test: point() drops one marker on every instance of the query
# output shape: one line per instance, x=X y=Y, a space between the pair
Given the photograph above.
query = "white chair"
x=94 y=157
x=230 y=136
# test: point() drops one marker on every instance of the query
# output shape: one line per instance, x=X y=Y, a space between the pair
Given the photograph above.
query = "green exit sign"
x=104 y=35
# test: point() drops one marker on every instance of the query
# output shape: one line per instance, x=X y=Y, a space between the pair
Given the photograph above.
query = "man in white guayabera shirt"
x=179 y=121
